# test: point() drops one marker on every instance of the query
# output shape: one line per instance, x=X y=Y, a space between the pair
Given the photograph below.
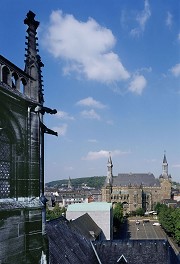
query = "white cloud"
x=68 y=168
x=63 y=115
x=151 y=160
x=118 y=89
x=92 y=140
x=138 y=84
x=144 y=15
x=61 y=130
x=86 y=47
x=95 y=155
x=110 y=122
x=176 y=166
x=92 y=155
x=145 y=69
x=169 y=19
x=176 y=70
x=90 y=102
x=91 y=114
x=179 y=36
x=142 y=18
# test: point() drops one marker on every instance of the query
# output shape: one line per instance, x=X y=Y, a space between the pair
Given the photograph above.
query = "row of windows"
x=12 y=79
x=120 y=197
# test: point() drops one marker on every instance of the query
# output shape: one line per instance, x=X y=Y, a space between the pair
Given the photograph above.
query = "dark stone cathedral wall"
x=20 y=236
x=21 y=239
x=22 y=203
x=23 y=131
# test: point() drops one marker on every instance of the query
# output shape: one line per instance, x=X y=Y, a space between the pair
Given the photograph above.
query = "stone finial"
x=30 y=21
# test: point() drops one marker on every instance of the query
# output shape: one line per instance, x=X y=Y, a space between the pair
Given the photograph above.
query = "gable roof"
x=86 y=226
x=135 y=252
x=135 y=179
x=67 y=246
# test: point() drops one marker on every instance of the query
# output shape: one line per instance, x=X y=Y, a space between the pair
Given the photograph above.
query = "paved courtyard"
x=130 y=230
x=145 y=230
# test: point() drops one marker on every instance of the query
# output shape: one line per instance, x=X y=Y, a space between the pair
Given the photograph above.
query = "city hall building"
x=137 y=190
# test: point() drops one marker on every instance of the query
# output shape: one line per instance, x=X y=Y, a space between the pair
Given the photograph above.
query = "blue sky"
x=112 y=70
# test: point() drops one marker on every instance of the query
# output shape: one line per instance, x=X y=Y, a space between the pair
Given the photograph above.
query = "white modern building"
x=100 y=212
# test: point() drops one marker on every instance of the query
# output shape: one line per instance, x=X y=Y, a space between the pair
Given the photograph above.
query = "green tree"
x=166 y=219
x=133 y=213
x=140 y=211
x=170 y=220
x=159 y=207
x=55 y=213
x=176 y=220
x=117 y=215
x=177 y=233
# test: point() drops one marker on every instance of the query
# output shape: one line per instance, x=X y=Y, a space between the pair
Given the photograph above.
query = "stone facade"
x=22 y=204
x=135 y=191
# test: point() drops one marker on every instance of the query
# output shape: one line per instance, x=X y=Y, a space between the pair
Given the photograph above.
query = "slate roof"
x=86 y=226
x=136 y=252
x=135 y=179
x=67 y=246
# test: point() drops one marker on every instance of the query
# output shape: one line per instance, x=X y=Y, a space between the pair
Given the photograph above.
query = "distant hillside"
x=94 y=182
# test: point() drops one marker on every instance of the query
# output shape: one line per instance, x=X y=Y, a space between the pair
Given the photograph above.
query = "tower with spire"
x=107 y=189
x=165 y=174
x=69 y=184
x=165 y=167
x=109 y=178
x=165 y=180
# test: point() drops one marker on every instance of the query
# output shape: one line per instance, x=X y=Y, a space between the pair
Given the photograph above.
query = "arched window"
x=22 y=85
x=5 y=164
x=14 y=79
x=5 y=75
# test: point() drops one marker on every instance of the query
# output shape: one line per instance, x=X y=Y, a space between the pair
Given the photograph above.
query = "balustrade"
x=11 y=77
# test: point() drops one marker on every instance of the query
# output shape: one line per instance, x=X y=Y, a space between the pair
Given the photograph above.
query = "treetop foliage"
x=117 y=214
x=55 y=212
x=169 y=218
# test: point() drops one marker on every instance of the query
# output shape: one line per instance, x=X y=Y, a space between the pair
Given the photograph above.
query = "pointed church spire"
x=164 y=159
x=33 y=61
x=109 y=159
x=109 y=178
x=165 y=167
x=69 y=183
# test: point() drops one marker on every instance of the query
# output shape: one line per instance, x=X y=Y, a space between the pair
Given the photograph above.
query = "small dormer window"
x=122 y=260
